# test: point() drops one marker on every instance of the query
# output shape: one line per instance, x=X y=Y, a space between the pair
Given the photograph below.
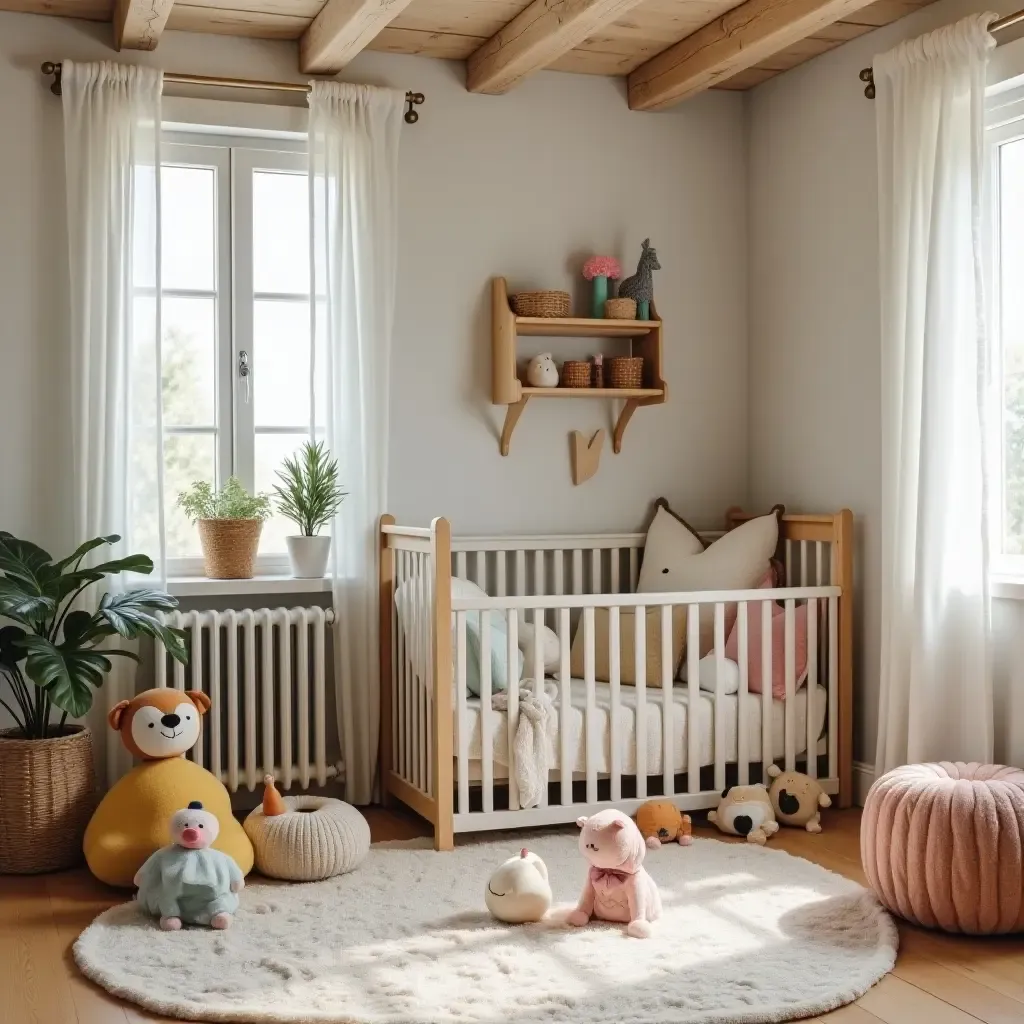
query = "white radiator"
x=264 y=670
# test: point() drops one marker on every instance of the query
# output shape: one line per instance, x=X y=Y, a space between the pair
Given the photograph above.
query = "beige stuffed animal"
x=797 y=799
x=746 y=811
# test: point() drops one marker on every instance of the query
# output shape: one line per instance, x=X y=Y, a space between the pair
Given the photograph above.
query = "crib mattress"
x=600 y=741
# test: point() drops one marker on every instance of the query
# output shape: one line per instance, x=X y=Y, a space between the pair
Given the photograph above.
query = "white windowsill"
x=1008 y=588
x=199 y=586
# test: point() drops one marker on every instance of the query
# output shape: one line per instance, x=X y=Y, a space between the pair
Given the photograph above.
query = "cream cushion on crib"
x=675 y=562
x=627 y=646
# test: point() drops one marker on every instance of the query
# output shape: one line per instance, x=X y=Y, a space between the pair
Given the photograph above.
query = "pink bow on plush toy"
x=617 y=887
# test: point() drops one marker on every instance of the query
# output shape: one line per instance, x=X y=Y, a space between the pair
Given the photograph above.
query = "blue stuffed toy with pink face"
x=188 y=882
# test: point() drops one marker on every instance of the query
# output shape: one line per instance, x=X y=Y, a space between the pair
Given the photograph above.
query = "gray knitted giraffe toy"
x=641 y=285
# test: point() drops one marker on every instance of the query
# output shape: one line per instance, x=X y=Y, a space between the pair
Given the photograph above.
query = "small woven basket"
x=575 y=374
x=552 y=304
x=229 y=547
x=626 y=371
x=620 y=309
x=47 y=795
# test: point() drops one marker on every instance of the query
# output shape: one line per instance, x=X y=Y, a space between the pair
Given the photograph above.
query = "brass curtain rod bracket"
x=412 y=99
x=867 y=75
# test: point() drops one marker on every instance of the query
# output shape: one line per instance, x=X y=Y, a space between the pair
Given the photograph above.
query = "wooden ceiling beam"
x=536 y=38
x=341 y=30
x=138 y=24
x=734 y=42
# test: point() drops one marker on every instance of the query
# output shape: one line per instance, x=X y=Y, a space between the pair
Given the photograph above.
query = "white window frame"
x=233 y=158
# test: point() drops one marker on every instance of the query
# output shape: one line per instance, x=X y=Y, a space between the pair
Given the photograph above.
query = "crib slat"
x=558 y=558
x=833 y=687
x=267 y=687
x=767 y=715
x=640 y=686
x=402 y=703
x=634 y=569
x=539 y=582
x=460 y=564
x=480 y=569
x=811 y=688
x=719 y=709
x=693 y=703
x=416 y=683
x=285 y=696
x=577 y=571
x=500 y=583
x=615 y=726
x=538 y=678
x=461 y=732
x=564 y=704
x=426 y=691
x=818 y=546
x=789 y=561
x=789 y=710
x=522 y=587
x=486 y=748
x=590 y=748
x=596 y=576
x=803 y=563
x=512 y=716
x=667 y=717
x=743 y=711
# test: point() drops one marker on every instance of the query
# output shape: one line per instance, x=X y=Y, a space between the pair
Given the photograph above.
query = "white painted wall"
x=815 y=363
x=525 y=185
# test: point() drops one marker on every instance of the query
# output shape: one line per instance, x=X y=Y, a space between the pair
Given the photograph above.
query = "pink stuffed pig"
x=617 y=887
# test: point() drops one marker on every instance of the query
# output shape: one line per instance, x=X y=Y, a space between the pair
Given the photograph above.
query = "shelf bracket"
x=512 y=414
x=623 y=421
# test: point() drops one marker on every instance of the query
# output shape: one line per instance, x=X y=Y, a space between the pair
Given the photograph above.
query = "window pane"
x=189 y=227
x=271 y=451
x=189 y=362
x=280 y=228
x=281 y=362
x=1011 y=257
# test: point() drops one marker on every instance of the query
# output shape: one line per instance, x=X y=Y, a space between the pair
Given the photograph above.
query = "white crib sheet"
x=600 y=742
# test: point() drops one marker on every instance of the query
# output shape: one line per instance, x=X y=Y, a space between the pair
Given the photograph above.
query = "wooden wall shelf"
x=643 y=337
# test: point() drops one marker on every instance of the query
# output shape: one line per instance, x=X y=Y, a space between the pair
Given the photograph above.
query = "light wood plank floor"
x=938 y=979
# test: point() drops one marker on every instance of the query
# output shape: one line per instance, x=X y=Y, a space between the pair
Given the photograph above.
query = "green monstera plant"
x=54 y=655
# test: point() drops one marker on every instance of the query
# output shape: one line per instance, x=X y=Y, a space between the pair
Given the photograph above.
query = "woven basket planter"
x=620 y=309
x=47 y=795
x=626 y=371
x=229 y=547
x=575 y=374
x=552 y=304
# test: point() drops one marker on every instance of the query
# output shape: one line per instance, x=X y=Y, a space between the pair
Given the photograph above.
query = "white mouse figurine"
x=542 y=372
x=519 y=891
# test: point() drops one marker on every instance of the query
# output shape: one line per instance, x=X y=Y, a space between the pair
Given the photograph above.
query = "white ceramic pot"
x=308 y=556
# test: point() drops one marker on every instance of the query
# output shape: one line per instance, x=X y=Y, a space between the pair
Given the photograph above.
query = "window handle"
x=245 y=372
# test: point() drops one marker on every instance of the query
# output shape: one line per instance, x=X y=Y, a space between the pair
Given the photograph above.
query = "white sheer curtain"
x=112 y=156
x=353 y=174
x=936 y=672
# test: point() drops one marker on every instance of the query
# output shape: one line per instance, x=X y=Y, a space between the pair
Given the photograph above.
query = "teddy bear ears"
x=580 y=822
x=201 y=700
x=116 y=712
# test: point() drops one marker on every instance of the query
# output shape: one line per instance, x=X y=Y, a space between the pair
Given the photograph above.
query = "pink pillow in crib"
x=754 y=613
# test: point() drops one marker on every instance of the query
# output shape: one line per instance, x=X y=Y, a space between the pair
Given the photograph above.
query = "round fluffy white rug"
x=748 y=934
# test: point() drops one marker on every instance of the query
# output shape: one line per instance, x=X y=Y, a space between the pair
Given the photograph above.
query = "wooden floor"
x=938 y=979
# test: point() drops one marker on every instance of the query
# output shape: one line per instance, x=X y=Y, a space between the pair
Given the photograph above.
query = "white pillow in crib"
x=674 y=560
x=551 y=649
x=707 y=671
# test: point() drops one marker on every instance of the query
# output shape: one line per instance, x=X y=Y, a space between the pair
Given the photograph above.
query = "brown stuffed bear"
x=159 y=726
x=797 y=799
x=661 y=822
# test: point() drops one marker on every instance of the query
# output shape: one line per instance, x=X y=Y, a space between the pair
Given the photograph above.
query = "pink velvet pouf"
x=942 y=846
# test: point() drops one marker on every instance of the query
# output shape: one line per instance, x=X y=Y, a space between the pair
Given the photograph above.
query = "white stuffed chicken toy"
x=519 y=890
x=542 y=372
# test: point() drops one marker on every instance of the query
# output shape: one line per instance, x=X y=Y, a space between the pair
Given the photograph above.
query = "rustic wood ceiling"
x=669 y=49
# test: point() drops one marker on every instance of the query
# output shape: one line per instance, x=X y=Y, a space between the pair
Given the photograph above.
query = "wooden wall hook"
x=585 y=456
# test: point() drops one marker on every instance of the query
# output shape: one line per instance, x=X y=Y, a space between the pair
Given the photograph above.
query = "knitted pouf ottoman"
x=941 y=845
x=306 y=838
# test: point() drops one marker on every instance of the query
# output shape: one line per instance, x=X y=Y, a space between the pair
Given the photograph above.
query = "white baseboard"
x=863 y=777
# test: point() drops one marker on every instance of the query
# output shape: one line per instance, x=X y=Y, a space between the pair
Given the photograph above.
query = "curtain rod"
x=867 y=75
x=412 y=99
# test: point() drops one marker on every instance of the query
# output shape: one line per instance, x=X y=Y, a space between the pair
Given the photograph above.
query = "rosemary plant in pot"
x=310 y=497
x=230 y=522
x=53 y=655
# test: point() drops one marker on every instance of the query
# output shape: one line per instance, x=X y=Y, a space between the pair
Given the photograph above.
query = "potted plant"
x=230 y=522
x=53 y=655
x=310 y=497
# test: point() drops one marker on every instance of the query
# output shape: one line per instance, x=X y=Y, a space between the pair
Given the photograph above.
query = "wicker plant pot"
x=626 y=371
x=229 y=547
x=554 y=304
x=47 y=795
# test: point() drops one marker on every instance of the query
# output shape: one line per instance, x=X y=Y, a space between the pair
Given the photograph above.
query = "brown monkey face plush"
x=160 y=723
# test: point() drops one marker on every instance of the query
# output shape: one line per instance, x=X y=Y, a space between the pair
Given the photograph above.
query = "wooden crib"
x=450 y=756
